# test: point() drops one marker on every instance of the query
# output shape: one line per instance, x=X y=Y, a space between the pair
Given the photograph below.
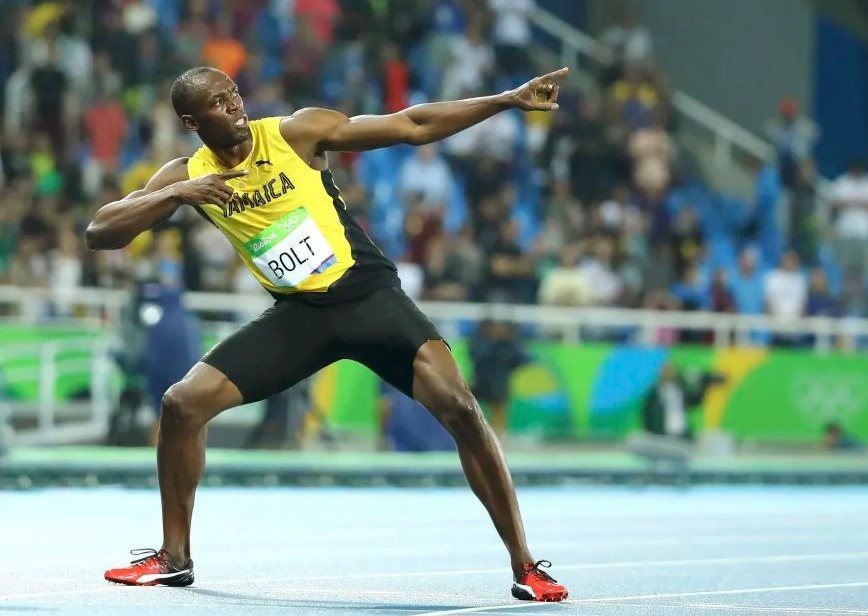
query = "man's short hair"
x=184 y=87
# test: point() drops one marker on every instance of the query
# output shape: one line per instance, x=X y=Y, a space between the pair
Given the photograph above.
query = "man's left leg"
x=439 y=387
x=388 y=333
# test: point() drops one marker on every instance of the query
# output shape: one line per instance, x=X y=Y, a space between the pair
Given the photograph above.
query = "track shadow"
x=319 y=604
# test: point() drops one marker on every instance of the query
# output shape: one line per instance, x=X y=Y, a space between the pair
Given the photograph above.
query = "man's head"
x=207 y=101
x=747 y=262
x=790 y=261
x=818 y=283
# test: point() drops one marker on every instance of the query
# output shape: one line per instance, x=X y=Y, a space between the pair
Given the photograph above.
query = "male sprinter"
x=266 y=185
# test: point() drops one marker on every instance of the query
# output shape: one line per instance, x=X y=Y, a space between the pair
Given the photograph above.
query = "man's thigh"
x=285 y=344
x=384 y=331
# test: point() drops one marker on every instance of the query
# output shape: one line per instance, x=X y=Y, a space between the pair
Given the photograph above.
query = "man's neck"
x=233 y=155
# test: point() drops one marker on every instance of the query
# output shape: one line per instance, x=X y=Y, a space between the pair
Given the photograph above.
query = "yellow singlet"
x=288 y=222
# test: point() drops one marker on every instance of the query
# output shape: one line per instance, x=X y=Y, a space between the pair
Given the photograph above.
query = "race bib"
x=291 y=250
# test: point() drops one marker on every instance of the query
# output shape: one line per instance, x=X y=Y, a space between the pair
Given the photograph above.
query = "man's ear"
x=189 y=122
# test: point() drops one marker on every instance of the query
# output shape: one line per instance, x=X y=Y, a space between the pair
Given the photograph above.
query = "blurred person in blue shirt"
x=821 y=303
x=692 y=290
x=746 y=284
x=496 y=353
x=405 y=425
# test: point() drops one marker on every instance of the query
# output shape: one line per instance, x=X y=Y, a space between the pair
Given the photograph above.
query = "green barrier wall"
x=596 y=391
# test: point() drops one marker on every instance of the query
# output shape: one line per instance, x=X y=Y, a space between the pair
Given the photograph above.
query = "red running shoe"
x=151 y=570
x=537 y=585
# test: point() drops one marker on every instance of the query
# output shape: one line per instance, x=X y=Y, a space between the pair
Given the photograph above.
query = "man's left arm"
x=312 y=131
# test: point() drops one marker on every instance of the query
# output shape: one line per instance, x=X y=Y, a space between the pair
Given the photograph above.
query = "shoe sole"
x=181 y=580
x=523 y=594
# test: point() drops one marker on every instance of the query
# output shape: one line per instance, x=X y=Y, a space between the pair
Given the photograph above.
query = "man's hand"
x=540 y=93
x=210 y=188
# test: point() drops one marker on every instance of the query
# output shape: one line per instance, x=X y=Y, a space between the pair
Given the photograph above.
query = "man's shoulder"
x=175 y=170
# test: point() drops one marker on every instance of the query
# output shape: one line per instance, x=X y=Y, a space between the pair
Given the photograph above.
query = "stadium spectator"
x=804 y=226
x=453 y=267
x=850 y=202
x=687 y=241
x=471 y=63
x=564 y=284
x=396 y=77
x=747 y=284
x=50 y=95
x=785 y=288
x=322 y=15
x=223 y=51
x=793 y=136
x=598 y=269
x=821 y=303
x=106 y=126
x=666 y=407
x=720 y=296
x=302 y=57
x=111 y=36
x=405 y=425
x=652 y=152
x=509 y=273
x=425 y=179
x=563 y=226
x=629 y=43
x=496 y=353
x=511 y=33
x=691 y=290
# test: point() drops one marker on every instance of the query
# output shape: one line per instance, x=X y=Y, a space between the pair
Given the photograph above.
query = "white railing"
x=726 y=133
x=568 y=324
x=75 y=422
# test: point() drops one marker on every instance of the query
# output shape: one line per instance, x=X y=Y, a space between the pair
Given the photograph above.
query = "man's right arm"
x=116 y=224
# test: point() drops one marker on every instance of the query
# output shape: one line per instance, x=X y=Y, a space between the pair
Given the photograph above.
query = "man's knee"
x=182 y=406
x=460 y=414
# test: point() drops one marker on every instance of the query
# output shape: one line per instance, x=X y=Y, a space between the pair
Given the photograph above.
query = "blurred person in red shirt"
x=396 y=77
x=105 y=123
x=223 y=51
x=322 y=15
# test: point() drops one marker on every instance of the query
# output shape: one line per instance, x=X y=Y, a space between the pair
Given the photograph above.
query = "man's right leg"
x=186 y=409
x=268 y=355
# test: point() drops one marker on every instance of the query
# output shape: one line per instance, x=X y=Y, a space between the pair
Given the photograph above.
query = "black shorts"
x=293 y=339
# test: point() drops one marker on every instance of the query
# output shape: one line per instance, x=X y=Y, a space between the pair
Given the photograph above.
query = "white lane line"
x=498 y=570
x=485 y=608
x=581 y=566
x=715 y=593
x=813 y=611
x=702 y=593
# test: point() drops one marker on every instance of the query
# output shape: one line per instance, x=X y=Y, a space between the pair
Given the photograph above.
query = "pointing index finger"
x=561 y=72
x=229 y=175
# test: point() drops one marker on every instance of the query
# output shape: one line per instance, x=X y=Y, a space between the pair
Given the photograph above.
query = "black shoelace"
x=148 y=552
x=541 y=573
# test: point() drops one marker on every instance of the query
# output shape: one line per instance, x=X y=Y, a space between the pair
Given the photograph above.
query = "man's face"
x=217 y=111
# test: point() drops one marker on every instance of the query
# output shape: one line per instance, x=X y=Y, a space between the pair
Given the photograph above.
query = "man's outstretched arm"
x=312 y=131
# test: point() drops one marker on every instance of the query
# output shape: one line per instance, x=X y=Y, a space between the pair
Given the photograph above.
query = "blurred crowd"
x=594 y=205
